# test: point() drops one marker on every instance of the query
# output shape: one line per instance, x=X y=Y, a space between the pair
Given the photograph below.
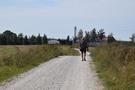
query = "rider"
x=83 y=48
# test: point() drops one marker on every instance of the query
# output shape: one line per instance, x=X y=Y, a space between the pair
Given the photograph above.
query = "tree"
x=39 y=39
x=87 y=36
x=68 y=38
x=33 y=40
x=44 y=40
x=26 y=40
x=68 y=41
x=101 y=34
x=80 y=34
x=93 y=35
x=111 y=38
x=20 y=39
x=9 y=37
x=2 y=39
x=133 y=37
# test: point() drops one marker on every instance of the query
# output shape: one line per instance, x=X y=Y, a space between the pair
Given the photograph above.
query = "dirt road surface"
x=62 y=73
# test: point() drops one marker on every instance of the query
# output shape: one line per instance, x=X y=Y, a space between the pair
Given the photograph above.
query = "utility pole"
x=75 y=30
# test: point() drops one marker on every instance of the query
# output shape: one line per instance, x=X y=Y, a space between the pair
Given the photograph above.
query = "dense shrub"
x=116 y=65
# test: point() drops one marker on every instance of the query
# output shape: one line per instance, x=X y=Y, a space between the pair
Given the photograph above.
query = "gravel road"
x=62 y=73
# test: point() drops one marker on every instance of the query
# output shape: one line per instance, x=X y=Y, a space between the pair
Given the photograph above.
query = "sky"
x=57 y=18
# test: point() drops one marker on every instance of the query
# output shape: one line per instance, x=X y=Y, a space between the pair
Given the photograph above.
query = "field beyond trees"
x=18 y=59
x=115 y=64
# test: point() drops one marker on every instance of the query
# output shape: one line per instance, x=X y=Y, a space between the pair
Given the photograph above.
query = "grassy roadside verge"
x=18 y=59
x=115 y=64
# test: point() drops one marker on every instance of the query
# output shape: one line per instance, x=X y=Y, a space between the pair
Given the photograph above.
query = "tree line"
x=92 y=36
x=11 y=38
x=95 y=36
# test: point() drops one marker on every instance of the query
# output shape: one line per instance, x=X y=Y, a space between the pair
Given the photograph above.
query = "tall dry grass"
x=116 y=65
x=17 y=59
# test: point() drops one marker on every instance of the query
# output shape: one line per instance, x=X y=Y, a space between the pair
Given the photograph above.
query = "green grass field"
x=17 y=59
x=115 y=64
